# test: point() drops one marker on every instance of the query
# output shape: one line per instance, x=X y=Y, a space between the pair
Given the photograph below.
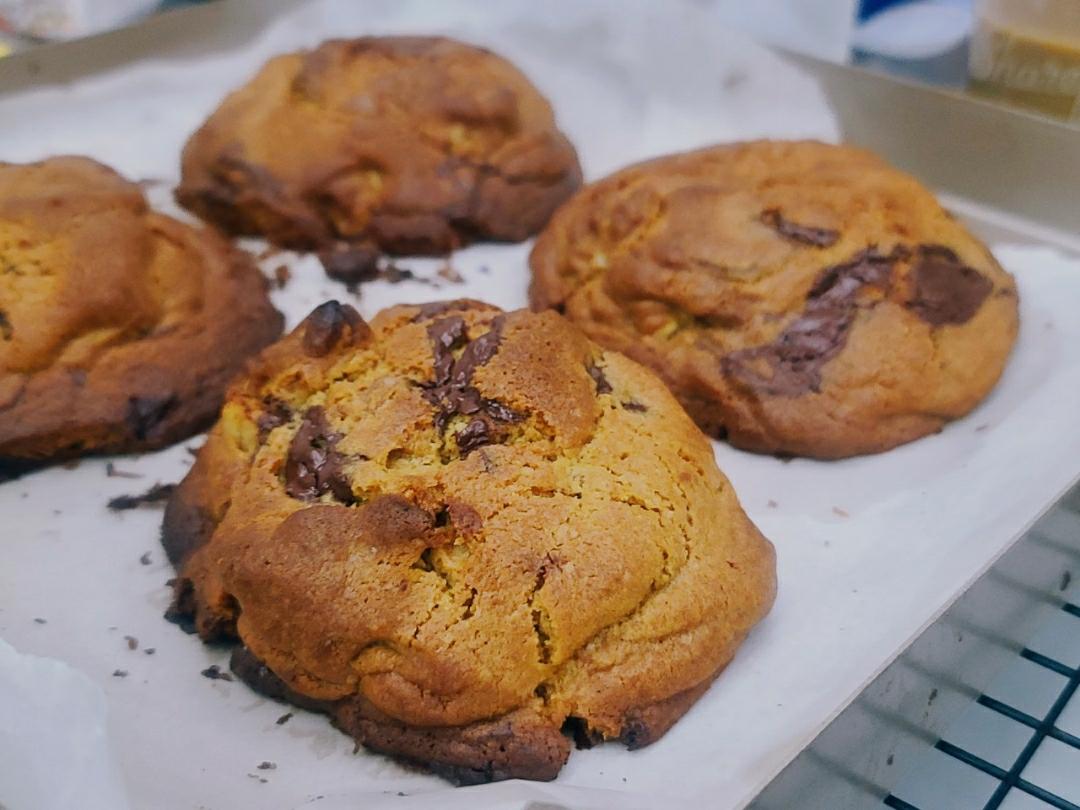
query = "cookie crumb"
x=840 y=512
x=285 y=718
x=145 y=559
x=448 y=273
x=132 y=642
x=120 y=673
x=112 y=472
x=772 y=504
x=156 y=494
x=215 y=673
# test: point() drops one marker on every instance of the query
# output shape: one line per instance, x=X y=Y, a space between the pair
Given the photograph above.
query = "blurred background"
x=1024 y=53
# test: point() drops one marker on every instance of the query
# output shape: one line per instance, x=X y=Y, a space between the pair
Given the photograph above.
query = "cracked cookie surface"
x=120 y=328
x=797 y=297
x=470 y=537
x=415 y=145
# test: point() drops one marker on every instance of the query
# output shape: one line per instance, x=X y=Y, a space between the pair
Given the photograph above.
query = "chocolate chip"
x=312 y=466
x=155 y=495
x=807 y=234
x=946 y=291
x=351 y=264
x=6 y=330
x=794 y=360
x=597 y=374
x=324 y=326
x=146 y=413
x=477 y=353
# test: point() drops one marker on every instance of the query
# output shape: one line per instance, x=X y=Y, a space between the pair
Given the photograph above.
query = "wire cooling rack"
x=1017 y=747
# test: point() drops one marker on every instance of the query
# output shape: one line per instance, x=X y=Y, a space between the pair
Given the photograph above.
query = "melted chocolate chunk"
x=312 y=466
x=475 y=434
x=146 y=413
x=155 y=495
x=352 y=265
x=597 y=374
x=451 y=392
x=446 y=335
x=807 y=234
x=324 y=326
x=430 y=310
x=794 y=360
x=946 y=291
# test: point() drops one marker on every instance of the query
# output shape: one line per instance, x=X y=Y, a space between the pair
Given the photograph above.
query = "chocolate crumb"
x=155 y=495
x=282 y=275
x=981 y=428
x=1066 y=580
x=132 y=642
x=112 y=472
x=193 y=451
x=145 y=559
x=485 y=269
x=120 y=673
x=267 y=766
x=772 y=504
x=40 y=621
x=806 y=234
x=216 y=673
x=150 y=650
x=285 y=718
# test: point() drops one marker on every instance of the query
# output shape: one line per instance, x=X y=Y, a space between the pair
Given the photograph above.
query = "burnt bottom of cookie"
x=516 y=746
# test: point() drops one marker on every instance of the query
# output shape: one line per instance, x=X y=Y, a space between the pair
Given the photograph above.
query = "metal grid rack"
x=992 y=720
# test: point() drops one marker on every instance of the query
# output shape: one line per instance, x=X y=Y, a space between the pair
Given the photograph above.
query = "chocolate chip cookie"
x=470 y=537
x=120 y=328
x=797 y=297
x=407 y=145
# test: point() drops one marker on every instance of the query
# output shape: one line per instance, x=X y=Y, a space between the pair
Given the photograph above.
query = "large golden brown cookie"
x=467 y=536
x=411 y=144
x=797 y=297
x=120 y=328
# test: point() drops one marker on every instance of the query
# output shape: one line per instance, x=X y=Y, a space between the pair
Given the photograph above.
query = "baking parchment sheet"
x=870 y=549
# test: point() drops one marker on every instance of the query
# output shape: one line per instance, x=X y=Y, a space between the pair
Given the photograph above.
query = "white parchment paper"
x=869 y=549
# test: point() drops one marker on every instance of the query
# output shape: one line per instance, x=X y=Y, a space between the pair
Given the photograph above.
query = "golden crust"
x=416 y=145
x=434 y=585
x=797 y=297
x=121 y=328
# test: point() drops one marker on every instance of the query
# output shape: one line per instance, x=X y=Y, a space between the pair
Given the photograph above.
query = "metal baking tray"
x=872 y=551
